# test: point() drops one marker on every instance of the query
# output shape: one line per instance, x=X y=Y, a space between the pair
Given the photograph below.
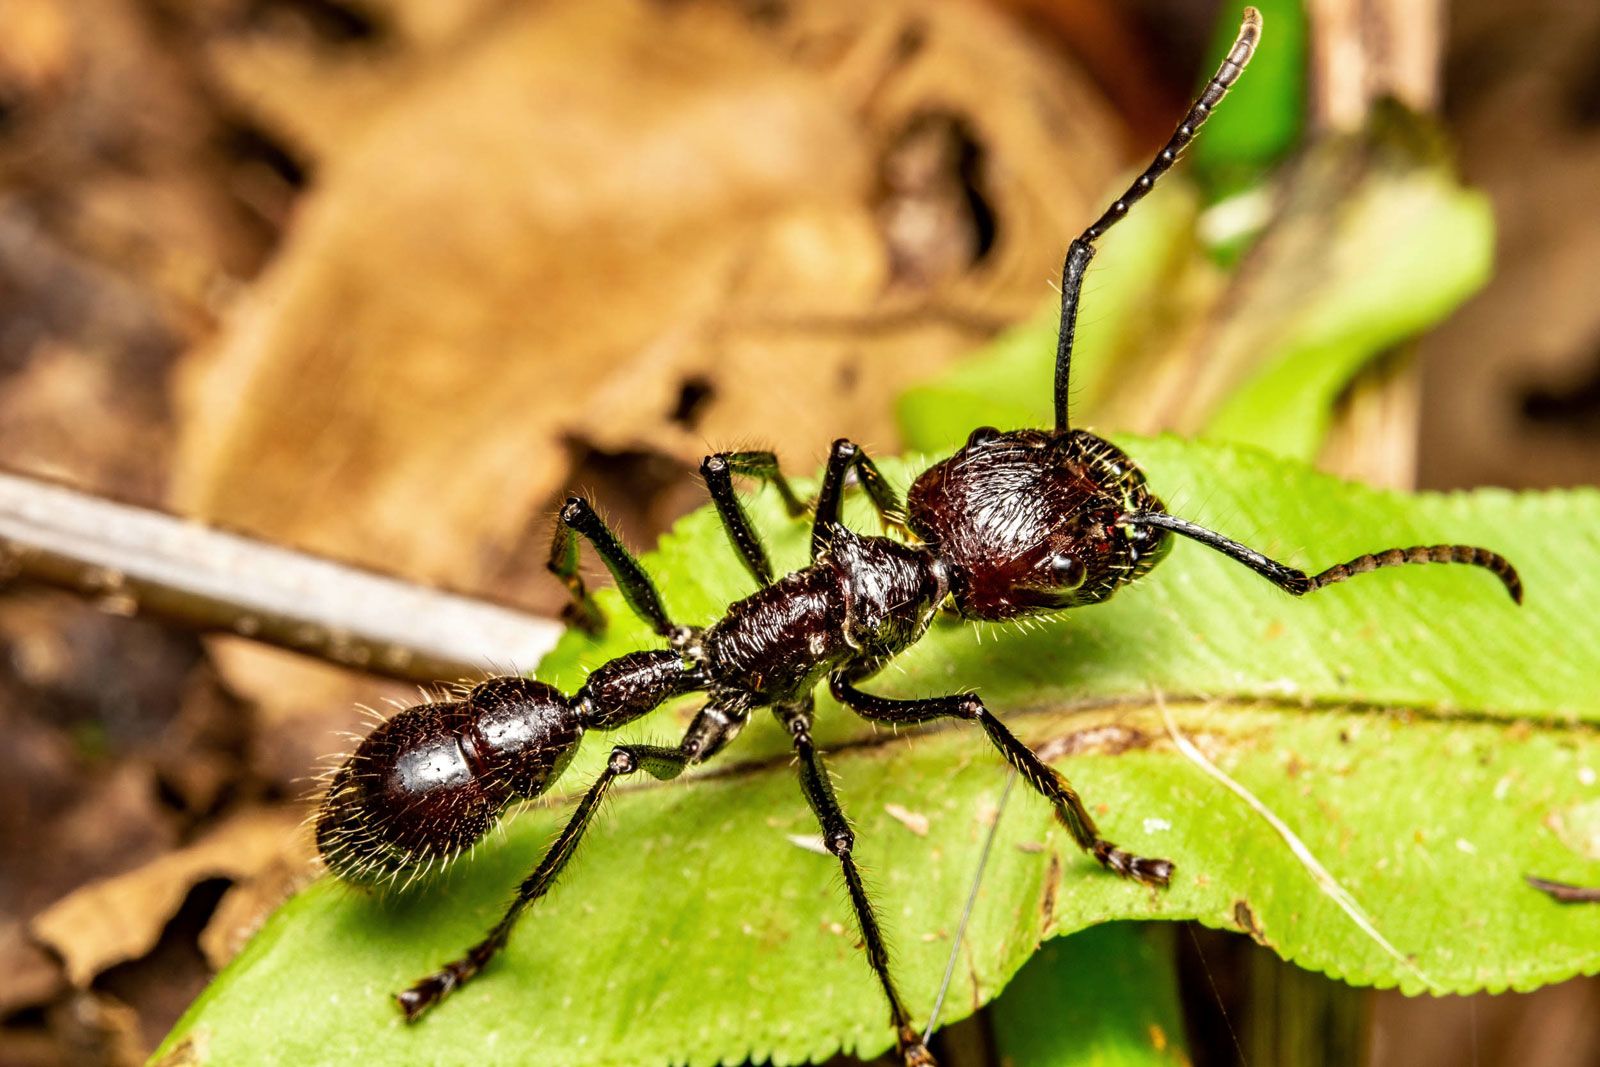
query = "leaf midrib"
x=882 y=738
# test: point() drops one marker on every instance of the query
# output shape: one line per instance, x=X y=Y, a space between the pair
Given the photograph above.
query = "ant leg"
x=577 y=517
x=1082 y=249
x=836 y=833
x=1045 y=779
x=714 y=727
x=848 y=456
x=718 y=471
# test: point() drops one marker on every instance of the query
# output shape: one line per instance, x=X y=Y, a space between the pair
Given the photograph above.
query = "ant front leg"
x=715 y=725
x=1045 y=779
x=578 y=517
x=718 y=471
x=840 y=840
x=847 y=456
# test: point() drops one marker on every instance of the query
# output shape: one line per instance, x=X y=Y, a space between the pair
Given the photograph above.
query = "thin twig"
x=134 y=560
x=966 y=912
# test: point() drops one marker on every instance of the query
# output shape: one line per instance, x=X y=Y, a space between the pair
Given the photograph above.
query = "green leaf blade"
x=1430 y=743
x=1403 y=255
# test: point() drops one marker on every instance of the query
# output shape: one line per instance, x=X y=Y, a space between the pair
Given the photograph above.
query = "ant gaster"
x=1014 y=523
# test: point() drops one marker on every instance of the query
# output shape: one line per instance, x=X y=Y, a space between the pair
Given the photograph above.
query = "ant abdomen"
x=523 y=733
x=432 y=780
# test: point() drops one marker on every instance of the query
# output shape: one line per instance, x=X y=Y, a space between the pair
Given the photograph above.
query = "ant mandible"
x=1014 y=523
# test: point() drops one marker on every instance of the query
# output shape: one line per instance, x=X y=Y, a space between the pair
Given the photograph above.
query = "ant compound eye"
x=983 y=435
x=1067 y=572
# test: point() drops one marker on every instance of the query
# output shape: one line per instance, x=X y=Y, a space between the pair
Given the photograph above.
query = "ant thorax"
x=1028 y=521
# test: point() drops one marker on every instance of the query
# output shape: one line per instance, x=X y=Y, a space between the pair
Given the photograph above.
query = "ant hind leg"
x=715 y=725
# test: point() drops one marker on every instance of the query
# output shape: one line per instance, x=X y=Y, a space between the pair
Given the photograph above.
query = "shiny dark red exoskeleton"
x=1014 y=523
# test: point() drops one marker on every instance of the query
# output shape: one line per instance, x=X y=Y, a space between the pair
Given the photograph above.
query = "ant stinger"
x=1014 y=523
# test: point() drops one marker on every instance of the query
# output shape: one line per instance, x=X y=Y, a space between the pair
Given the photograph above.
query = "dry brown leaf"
x=32 y=975
x=36 y=49
x=312 y=99
x=121 y=918
x=511 y=234
x=41 y=412
x=429 y=24
x=246 y=906
x=564 y=222
x=95 y=1028
x=819 y=306
x=117 y=822
x=115 y=149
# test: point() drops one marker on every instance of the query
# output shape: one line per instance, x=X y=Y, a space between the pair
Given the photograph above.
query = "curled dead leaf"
x=121 y=918
x=33 y=976
x=582 y=213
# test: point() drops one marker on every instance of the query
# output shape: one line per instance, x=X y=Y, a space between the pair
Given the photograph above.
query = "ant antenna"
x=1082 y=249
x=1300 y=583
x=966 y=912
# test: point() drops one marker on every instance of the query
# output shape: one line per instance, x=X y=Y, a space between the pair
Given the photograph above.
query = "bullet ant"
x=1014 y=523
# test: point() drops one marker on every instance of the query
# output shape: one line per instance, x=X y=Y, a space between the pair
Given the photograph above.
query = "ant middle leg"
x=840 y=840
x=577 y=517
x=718 y=471
x=1045 y=779
x=845 y=457
x=715 y=725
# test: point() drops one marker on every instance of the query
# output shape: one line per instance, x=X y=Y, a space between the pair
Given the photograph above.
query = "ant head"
x=1027 y=521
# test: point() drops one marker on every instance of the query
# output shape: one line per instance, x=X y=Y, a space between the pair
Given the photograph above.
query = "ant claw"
x=425 y=994
x=913 y=1053
x=1152 y=872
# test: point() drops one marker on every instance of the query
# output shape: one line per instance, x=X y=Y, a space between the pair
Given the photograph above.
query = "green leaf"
x=1381 y=261
x=1423 y=736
